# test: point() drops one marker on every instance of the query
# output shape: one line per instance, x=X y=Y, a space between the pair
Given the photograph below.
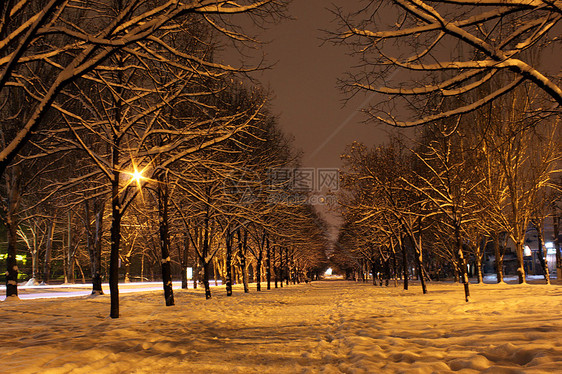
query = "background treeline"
x=460 y=193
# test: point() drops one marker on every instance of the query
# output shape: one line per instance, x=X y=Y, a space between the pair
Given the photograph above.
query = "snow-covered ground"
x=330 y=326
x=42 y=291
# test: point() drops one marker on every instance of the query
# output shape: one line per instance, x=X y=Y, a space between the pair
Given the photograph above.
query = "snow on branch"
x=454 y=112
x=460 y=44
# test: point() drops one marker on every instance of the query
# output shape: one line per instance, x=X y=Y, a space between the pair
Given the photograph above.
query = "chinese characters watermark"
x=291 y=186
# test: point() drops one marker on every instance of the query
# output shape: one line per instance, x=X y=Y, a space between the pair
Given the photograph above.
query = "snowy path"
x=331 y=327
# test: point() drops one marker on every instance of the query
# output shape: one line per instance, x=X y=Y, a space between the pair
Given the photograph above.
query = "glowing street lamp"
x=137 y=176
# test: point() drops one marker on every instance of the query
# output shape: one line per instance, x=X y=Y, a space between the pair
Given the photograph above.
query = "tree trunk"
x=542 y=259
x=268 y=264
x=96 y=256
x=184 y=261
x=287 y=265
x=520 y=261
x=81 y=271
x=556 y=227
x=142 y=266
x=242 y=250
x=293 y=268
x=387 y=271
x=276 y=267
x=206 y=276
x=381 y=271
x=259 y=259
x=48 y=251
x=405 y=265
x=394 y=266
x=203 y=258
x=462 y=262
x=244 y=269
x=479 y=270
x=216 y=268
x=229 y=238
x=499 y=258
x=65 y=256
x=419 y=262
x=163 y=196
x=13 y=187
x=35 y=255
x=478 y=254
x=281 y=266
x=126 y=264
x=258 y=270
x=362 y=271
x=196 y=267
x=71 y=252
x=115 y=232
x=11 y=262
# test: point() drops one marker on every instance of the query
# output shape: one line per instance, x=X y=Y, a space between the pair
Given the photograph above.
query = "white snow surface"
x=46 y=291
x=322 y=327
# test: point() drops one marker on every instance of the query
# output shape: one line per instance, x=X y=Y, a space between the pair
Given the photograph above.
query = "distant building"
x=531 y=253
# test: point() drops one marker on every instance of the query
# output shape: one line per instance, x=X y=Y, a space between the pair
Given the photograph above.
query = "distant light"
x=328 y=271
x=527 y=251
x=550 y=250
x=22 y=258
x=549 y=245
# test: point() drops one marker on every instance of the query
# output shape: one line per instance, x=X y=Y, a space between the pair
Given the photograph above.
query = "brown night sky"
x=304 y=83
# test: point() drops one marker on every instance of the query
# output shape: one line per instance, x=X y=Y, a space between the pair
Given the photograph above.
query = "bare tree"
x=447 y=183
x=377 y=179
x=79 y=36
x=527 y=160
x=440 y=49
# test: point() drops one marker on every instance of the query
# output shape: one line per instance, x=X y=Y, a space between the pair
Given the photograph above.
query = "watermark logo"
x=306 y=179
x=329 y=179
x=290 y=186
x=294 y=186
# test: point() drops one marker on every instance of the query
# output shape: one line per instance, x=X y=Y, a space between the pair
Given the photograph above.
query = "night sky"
x=304 y=83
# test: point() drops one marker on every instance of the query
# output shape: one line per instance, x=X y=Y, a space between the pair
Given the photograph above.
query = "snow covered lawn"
x=330 y=326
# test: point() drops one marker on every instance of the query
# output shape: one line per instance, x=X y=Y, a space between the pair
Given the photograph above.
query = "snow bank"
x=331 y=327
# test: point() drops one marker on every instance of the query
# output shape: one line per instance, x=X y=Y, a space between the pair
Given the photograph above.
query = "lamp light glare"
x=137 y=176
